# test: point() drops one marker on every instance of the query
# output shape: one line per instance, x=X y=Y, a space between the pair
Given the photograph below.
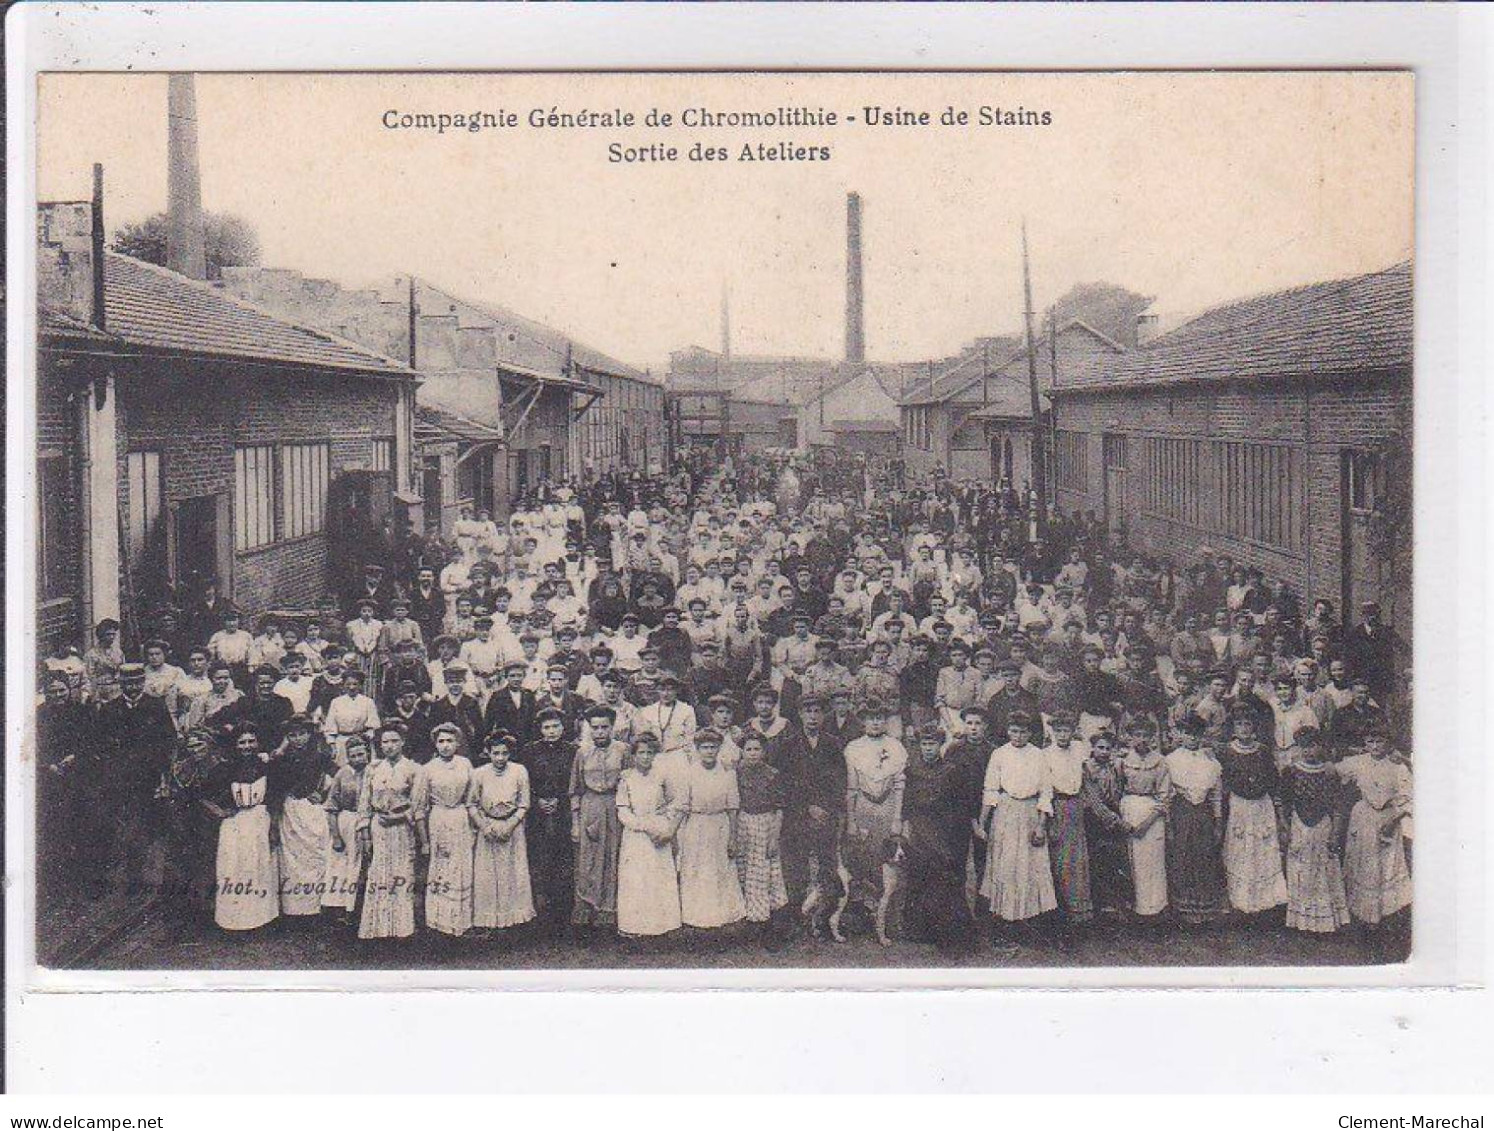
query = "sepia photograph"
x=644 y=521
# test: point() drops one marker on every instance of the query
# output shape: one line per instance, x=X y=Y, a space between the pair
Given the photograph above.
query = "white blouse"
x=1020 y=773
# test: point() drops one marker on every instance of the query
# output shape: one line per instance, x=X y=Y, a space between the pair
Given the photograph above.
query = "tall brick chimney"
x=855 y=331
x=185 y=252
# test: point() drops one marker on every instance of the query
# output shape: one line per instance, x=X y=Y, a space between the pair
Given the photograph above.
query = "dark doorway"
x=198 y=557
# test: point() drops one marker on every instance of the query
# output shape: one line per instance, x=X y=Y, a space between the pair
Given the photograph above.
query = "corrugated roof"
x=150 y=306
x=1344 y=326
x=434 y=420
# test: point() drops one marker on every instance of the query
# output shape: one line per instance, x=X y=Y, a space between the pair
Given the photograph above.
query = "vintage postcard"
x=740 y=521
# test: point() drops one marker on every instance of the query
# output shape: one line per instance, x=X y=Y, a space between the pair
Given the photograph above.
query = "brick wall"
x=58 y=615
x=1317 y=420
x=195 y=416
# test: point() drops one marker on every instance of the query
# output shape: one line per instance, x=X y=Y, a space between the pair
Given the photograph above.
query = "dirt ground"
x=322 y=944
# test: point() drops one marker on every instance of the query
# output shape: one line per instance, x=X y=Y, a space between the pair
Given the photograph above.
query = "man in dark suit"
x=427 y=603
x=1371 y=648
x=136 y=737
x=511 y=708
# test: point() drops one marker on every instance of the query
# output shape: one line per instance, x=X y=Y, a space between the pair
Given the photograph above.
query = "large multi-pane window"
x=146 y=536
x=1260 y=489
x=304 y=493
x=254 y=496
x=52 y=535
x=1171 y=484
x=1073 y=461
x=383 y=454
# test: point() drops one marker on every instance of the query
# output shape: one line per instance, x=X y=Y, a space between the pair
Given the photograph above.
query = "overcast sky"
x=1193 y=188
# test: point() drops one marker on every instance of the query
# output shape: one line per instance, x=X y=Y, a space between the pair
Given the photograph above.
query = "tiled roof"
x=433 y=420
x=540 y=348
x=149 y=306
x=1010 y=398
x=964 y=371
x=1344 y=326
x=57 y=322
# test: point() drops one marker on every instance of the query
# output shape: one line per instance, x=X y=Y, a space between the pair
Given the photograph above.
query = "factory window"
x=1362 y=485
x=304 y=471
x=1260 y=488
x=52 y=535
x=1170 y=478
x=146 y=546
x=254 y=496
x=1073 y=461
x=383 y=454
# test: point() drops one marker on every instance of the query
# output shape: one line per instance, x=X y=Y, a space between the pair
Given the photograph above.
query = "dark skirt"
x=1195 y=868
x=1069 y=852
x=1109 y=868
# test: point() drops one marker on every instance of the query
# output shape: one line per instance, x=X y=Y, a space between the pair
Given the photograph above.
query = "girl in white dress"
x=498 y=800
x=710 y=891
x=1016 y=801
x=648 y=888
x=1376 y=872
x=440 y=805
x=247 y=894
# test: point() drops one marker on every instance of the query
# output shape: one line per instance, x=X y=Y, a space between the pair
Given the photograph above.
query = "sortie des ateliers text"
x=647 y=151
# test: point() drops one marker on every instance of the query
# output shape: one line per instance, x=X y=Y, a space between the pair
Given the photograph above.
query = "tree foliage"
x=228 y=241
x=1108 y=307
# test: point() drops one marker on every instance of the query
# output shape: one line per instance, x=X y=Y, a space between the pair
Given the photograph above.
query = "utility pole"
x=1039 y=476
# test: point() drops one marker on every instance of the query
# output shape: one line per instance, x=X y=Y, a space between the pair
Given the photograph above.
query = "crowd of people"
x=763 y=694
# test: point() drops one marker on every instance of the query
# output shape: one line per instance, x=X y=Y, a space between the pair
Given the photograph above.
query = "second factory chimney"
x=185 y=253
x=855 y=330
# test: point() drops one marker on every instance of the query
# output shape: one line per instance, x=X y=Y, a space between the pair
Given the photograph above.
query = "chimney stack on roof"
x=185 y=252
x=1148 y=327
x=855 y=330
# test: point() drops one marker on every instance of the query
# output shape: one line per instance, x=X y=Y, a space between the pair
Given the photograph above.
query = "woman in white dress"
x=648 y=887
x=1376 y=872
x=498 y=800
x=389 y=838
x=710 y=891
x=441 y=806
x=1016 y=800
x=247 y=892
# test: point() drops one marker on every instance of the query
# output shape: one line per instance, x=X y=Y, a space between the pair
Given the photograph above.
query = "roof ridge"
x=1325 y=286
x=204 y=287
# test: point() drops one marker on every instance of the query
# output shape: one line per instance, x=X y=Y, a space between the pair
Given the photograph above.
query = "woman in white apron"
x=248 y=873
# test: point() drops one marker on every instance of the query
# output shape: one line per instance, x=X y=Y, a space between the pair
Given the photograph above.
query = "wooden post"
x=1039 y=478
x=96 y=235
